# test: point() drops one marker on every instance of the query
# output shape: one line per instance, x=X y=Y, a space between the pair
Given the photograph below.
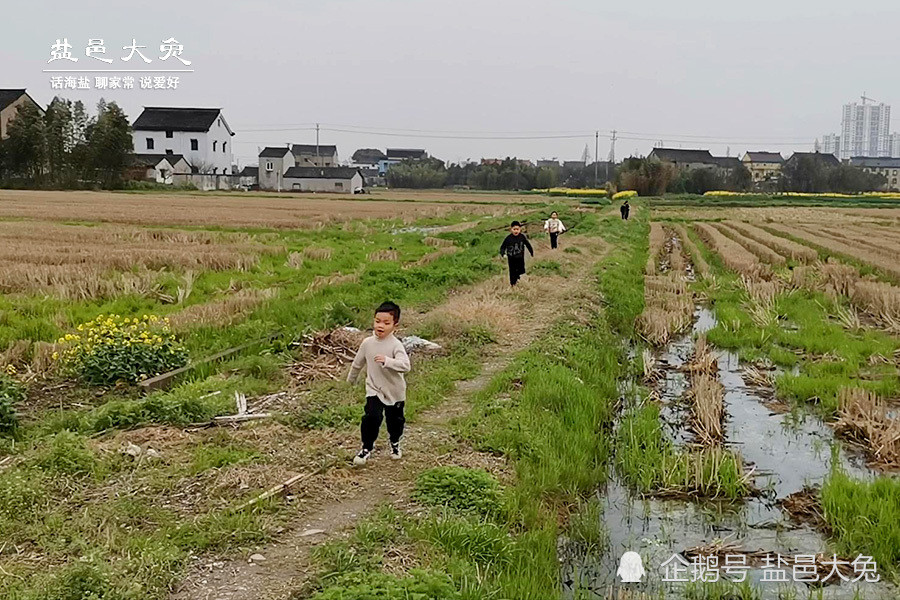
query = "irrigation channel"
x=785 y=453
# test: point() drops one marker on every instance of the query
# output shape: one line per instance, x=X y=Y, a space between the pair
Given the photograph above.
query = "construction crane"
x=866 y=98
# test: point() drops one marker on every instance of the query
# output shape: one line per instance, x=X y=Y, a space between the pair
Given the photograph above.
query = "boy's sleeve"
x=358 y=361
x=547 y=225
x=528 y=245
x=503 y=246
x=561 y=227
x=399 y=361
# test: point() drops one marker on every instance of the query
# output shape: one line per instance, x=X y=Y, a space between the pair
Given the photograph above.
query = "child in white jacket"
x=554 y=227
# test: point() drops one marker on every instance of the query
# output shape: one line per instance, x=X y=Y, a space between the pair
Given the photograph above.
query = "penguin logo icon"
x=631 y=568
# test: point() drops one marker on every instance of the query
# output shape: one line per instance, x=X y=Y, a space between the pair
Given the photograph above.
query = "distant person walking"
x=625 y=209
x=554 y=227
x=513 y=248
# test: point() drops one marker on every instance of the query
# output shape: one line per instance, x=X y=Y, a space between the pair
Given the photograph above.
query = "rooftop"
x=8 y=96
x=157 y=118
x=764 y=157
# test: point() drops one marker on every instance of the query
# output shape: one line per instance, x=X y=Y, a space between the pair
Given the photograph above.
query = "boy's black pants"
x=376 y=411
x=553 y=237
x=516 y=268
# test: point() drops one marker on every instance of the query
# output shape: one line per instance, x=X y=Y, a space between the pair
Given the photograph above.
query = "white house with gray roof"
x=201 y=135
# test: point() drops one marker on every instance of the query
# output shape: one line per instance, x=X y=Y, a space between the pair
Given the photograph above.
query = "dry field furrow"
x=887 y=264
x=701 y=267
x=733 y=255
x=657 y=240
x=763 y=252
x=783 y=246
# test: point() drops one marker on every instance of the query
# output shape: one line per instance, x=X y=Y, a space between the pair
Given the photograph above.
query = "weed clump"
x=460 y=489
x=11 y=393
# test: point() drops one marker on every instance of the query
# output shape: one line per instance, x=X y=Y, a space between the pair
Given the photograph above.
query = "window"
x=149 y=143
x=224 y=145
x=168 y=134
x=169 y=151
x=214 y=145
x=195 y=145
x=269 y=166
x=338 y=185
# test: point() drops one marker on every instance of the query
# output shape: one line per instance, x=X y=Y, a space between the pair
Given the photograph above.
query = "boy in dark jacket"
x=513 y=248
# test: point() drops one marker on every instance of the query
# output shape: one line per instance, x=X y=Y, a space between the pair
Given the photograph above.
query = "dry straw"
x=437 y=242
x=866 y=421
x=315 y=253
x=762 y=251
x=380 y=255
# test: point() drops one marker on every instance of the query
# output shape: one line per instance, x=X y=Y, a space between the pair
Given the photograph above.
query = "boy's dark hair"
x=389 y=307
x=515 y=224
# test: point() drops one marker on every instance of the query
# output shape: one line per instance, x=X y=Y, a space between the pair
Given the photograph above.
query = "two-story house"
x=763 y=166
x=201 y=135
x=273 y=164
x=310 y=155
x=10 y=101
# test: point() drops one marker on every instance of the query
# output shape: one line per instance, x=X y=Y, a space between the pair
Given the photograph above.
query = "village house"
x=273 y=164
x=310 y=155
x=822 y=158
x=249 y=177
x=200 y=135
x=160 y=168
x=763 y=166
x=368 y=157
x=323 y=179
x=683 y=159
x=396 y=155
x=10 y=101
x=888 y=167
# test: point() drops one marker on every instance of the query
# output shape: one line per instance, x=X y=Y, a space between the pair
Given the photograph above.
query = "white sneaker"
x=396 y=453
x=361 y=457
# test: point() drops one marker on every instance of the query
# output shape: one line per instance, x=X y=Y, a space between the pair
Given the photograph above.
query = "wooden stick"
x=281 y=487
x=241 y=418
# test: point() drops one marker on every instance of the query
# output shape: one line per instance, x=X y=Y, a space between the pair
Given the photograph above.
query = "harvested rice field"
x=717 y=392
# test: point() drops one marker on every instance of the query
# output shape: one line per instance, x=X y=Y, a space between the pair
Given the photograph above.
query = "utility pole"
x=596 y=155
x=612 y=153
x=317 y=146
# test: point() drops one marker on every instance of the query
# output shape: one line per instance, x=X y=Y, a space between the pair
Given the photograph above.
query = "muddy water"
x=785 y=452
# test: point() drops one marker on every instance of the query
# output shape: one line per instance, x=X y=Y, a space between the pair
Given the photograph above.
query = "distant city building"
x=865 y=132
x=549 y=164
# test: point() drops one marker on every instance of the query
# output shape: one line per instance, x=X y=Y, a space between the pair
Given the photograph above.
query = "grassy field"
x=539 y=401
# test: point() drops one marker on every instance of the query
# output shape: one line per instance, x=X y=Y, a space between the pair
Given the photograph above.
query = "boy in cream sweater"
x=386 y=361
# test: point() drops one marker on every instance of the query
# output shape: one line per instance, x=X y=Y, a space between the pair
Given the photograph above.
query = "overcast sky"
x=756 y=75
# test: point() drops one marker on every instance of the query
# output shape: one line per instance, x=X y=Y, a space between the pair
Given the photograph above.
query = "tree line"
x=66 y=147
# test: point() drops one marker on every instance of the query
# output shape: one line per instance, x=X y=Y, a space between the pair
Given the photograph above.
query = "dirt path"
x=526 y=313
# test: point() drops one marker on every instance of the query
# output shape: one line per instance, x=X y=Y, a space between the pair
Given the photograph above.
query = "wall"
x=205 y=182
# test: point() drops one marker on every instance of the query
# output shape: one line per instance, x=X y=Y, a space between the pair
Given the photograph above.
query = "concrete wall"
x=205 y=182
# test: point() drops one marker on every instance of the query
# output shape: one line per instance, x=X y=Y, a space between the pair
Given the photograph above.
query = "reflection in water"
x=786 y=455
